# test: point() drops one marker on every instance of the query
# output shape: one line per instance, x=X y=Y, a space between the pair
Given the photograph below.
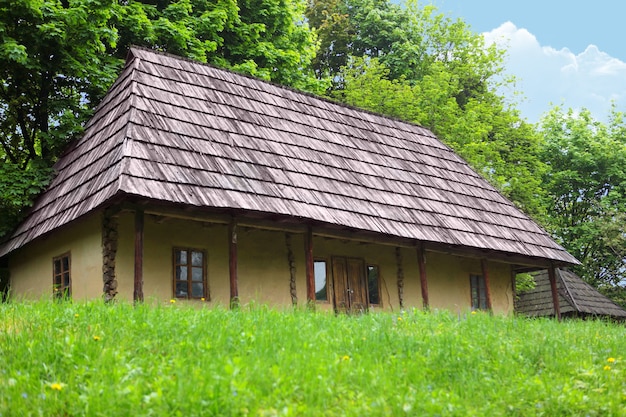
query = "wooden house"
x=191 y=182
x=576 y=298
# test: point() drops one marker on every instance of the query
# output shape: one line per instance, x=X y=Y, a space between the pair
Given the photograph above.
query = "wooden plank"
x=421 y=261
x=232 y=264
x=310 y=273
x=569 y=297
x=513 y=286
x=138 y=277
x=555 y=293
x=485 y=268
x=400 y=277
x=291 y=261
x=341 y=299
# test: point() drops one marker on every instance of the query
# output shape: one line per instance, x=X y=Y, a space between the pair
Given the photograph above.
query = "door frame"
x=350 y=290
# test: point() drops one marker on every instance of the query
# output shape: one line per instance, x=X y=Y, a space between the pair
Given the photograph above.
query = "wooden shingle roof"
x=576 y=298
x=182 y=132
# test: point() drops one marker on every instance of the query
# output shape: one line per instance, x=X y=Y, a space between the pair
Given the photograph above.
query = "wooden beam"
x=513 y=286
x=109 y=252
x=291 y=261
x=555 y=292
x=138 y=278
x=485 y=268
x=400 y=277
x=232 y=264
x=421 y=261
x=567 y=290
x=310 y=273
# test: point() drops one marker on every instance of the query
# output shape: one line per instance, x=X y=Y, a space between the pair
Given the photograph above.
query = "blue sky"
x=566 y=52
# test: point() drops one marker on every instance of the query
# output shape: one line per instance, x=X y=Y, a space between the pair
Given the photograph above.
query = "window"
x=479 y=292
x=61 y=284
x=321 y=283
x=190 y=273
x=373 y=274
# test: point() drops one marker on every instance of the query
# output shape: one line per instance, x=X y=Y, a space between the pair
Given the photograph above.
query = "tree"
x=356 y=28
x=586 y=185
x=55 y=66
x=60 y=56
x=265 y=38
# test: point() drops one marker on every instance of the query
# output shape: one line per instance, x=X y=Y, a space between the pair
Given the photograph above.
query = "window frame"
x=480 y=301
x=367 y=277
x=60 y=290
x=328 y=281
x=189 y=265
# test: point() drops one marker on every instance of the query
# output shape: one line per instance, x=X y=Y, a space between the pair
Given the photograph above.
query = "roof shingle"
x=576 y=297
x=183 y=132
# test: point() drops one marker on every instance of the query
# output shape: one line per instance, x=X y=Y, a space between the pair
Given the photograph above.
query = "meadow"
x=86 y=358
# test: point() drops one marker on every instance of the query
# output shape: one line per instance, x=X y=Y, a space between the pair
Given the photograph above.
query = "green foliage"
x=524 y=282
x=93 y=359
x=18 y=189
x=267 y=39
x=586 y=185
x=54 y=69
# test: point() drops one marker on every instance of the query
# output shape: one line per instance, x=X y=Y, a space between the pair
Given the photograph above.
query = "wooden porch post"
x=138 y=279
x=485 y=268
x=400 y=277
x=291 y=261
x=232 y=264
x=310 y=273
x=421 y=261
x=109 y=252
x=513 y=282
x=555 y=292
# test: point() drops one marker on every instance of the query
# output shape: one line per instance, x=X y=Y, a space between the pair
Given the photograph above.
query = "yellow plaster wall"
x=449 y=282
x=447 y=275
x=501 y=287
x=125 y=256
x=31 y=265
x=263 y=268
x=160 y=237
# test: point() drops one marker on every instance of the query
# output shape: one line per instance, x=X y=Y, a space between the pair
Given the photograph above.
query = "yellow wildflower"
x=474 y=312
x=96 y=338
x=345 y=358
x=202 y=299
x=607 y=368
x=76 y=315
x=172 y=301
x=610 y=360
x=399 y=318
x=55 y=386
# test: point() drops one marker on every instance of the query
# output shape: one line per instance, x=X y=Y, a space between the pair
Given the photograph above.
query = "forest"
x=407 y=61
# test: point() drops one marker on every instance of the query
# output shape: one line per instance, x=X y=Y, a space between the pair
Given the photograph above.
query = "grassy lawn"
x=70 y=359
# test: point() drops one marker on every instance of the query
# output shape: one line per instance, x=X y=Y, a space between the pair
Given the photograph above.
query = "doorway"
x=350 y=288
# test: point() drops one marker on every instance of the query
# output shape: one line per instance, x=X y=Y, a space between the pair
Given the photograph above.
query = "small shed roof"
x=182 y=132
x=576 y=297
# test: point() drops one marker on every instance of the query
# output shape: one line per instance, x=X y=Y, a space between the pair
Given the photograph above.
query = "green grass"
x=70 y=359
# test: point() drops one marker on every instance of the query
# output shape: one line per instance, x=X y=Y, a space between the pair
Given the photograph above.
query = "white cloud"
x=545 y=75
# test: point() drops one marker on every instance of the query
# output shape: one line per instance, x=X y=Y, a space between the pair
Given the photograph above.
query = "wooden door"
x=350 y=291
